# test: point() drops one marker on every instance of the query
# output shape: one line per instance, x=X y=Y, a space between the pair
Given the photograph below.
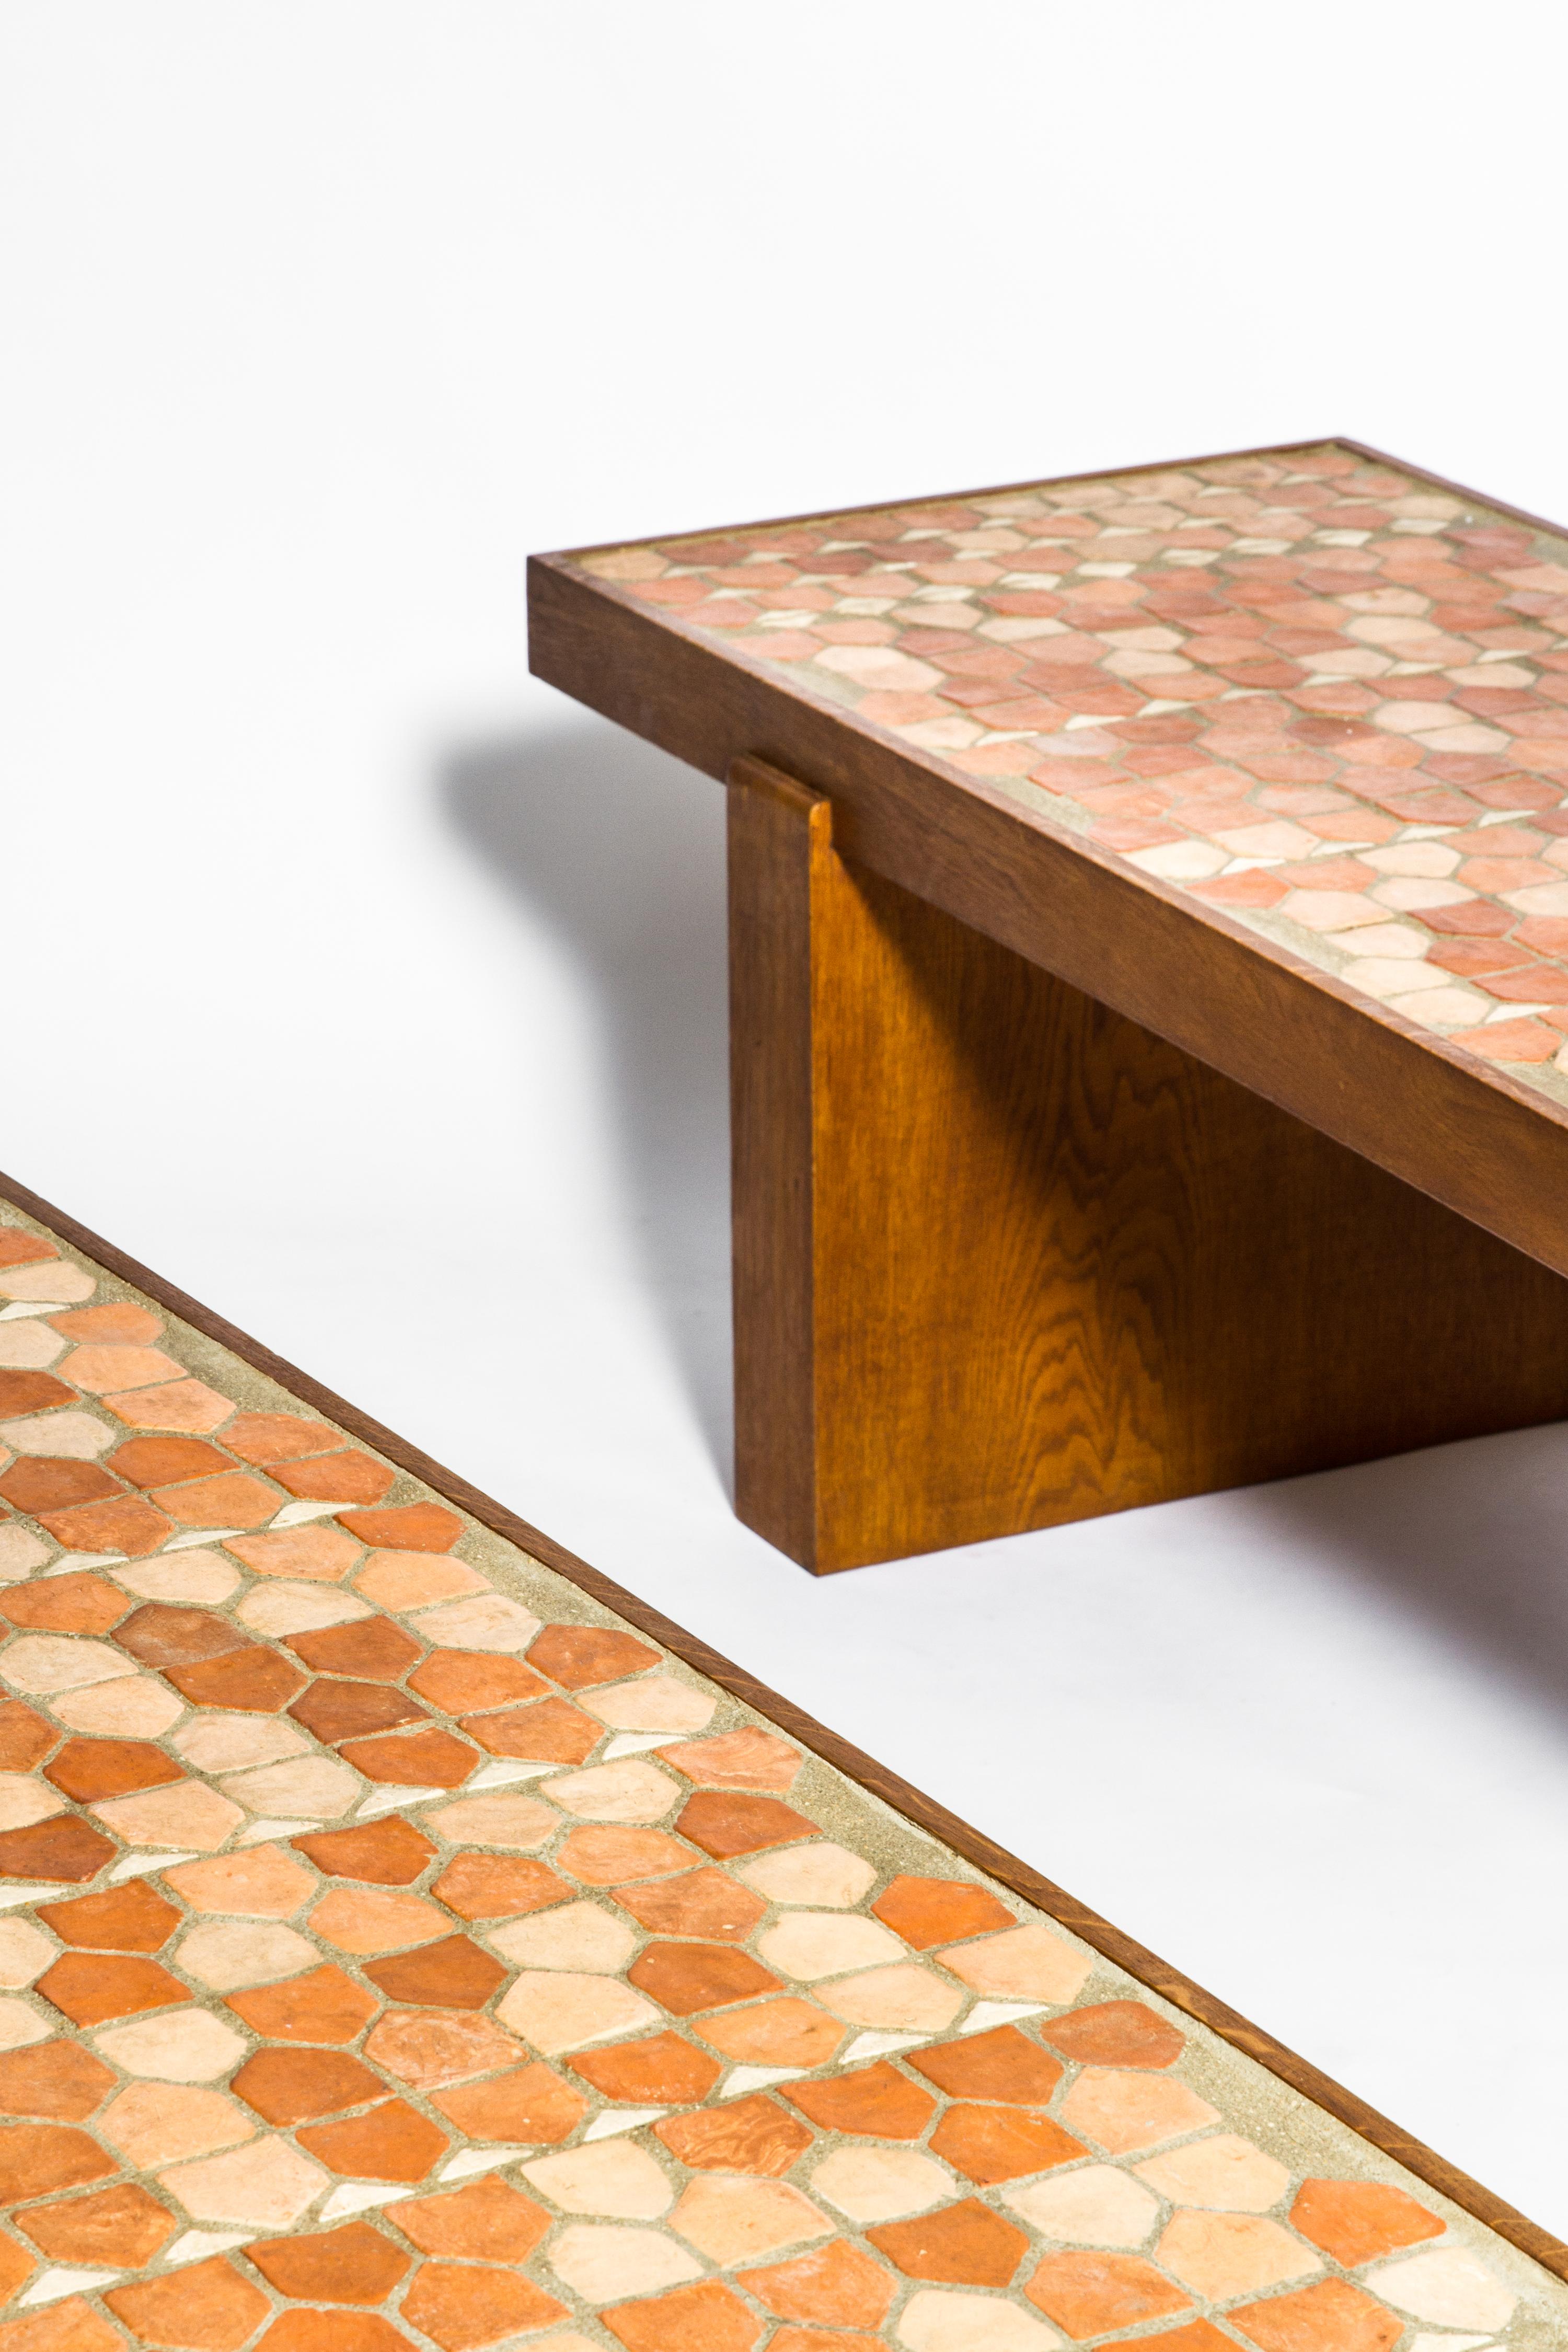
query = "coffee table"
x=1149 y=960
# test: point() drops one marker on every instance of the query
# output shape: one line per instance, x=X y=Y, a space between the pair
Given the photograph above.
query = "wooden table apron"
x=1055 y=1194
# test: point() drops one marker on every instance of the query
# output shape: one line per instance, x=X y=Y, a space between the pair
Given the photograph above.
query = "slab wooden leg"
x=1003 y=1259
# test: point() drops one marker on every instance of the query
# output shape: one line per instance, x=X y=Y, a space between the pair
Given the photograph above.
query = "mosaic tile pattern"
x=398 y=1950
x=1305 y=687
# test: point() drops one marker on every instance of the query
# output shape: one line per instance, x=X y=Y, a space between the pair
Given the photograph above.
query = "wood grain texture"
x=1463 y=1131
x=1006 y=1259
x=960 y=1836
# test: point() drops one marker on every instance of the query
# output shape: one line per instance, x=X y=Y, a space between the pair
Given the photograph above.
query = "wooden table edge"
x=973 y=1844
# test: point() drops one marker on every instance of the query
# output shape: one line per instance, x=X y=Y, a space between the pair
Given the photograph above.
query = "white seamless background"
x=375 y=995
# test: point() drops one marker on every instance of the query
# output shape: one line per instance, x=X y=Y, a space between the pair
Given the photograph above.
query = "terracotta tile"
x=499 y=1820
x=129 y=1918
x=788 y=2033
x=231 y=1499
x=332 y=2331
x=206 y=2307
x=725 y=1825
x=62 y=1849
x=663 y=2070
x=266 y=2183
x=254 y=1680
x=291 y=2086
x=687 y=1977
x=158 y=2123
x=531 y=2105
x=125 y=1523
x=732 y=2219
x=486 y=2221
x=706 y=1904
x=1094 y=2294
x=578 y=1656
x=348 y=1476
x=176 y=2045
x=877 y=2100
x=550 y=1730
x=752 y=2136
x=18 y=1247
x=600 y=1856
x=1223 y=2171
x=96 y=1368
x=36 y=2157
x=492 y=1886
x=991 y=2144
x=411 y=1526
x=458 y=2305
x=1115 y=2033
x=267 y=1437
x=71 y=2326
x=336 y=1711
x=705 y=2318
x=87 y=1769
x=79 y=1604
x=188 y=1405
x=323 y=2005
x=318 y=1552
x=1027 y=1963
x=186 y=1813
x=354 y=2265
x=410 y=1580
x=35 y=1483
x=1219 y=2255
x=430 y=1759
x=431 y=2050
x=58 y=2080
x=1000 y=2064
x=558 y=2008
x=1127 y=2111
x=452 y=1974
x=135 y=1705
x=163 y=1637
x=32 y=1392
x=261 y=1883
x=26 y=1738
x=751 y=1759
x=962 y=2245
x=91 y=1987
x=388 y=1853
x=372 y=1650
x=1097 y=2205
x=1355 y=2221
x=465 y=1681
x=166 y=1461
x=121 y=2228
x=1332 y=2318
x=361 y=1919
x=837 y=2284
x=17 y=2266
x=393 y=2142
x=823 y=2339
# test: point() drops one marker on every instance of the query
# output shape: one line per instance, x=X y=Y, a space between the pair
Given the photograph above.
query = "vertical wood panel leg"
x=1003 y=1259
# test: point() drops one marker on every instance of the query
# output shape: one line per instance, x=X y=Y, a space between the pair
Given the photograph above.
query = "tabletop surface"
x=1304 y=686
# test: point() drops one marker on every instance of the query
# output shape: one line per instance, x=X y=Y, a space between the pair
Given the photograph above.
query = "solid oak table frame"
x=1057 y=1190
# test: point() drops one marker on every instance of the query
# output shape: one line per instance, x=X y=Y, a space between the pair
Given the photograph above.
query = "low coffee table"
x=1149 y=951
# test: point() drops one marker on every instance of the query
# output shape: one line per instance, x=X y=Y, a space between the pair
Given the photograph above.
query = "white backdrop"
x=376 y=996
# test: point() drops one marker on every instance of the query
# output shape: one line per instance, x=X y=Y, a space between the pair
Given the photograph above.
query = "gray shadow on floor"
x=619 y=851
x=1469 y=1539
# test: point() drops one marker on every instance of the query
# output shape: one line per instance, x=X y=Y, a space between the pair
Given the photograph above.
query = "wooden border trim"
x=973 y=1844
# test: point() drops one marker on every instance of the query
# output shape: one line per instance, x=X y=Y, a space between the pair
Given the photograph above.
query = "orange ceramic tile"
x=687 y=1977
x=231 y=1499
x=1334 y=2316
x=488 y=2220
x=377 y=1919
x=207 y=2307
x=390 y=1852
x=926 y=1911
x=1356 y=2221
x=322 y=2005
x=1096 y=2293
x=36 y=1483
x=531 y=2103
x=31 y=1392
x=411 y=1526
x=92 y=1987
x=725 y=1825
x=460 y=2306
x=580 y=1656
x=79 y=1604
x=294 y=2086
x=838 y=2285
x=452 y=1974
x=332 y=2331
x=788 y=2033
x=463 y=1682
x=24 y=1737
x=600 y=1856
x=1115 y=2033
x=736 y=1760
x=36 y=2157
x=392 y=2142
x=312 y=1552
x=498 y=1886
x=663 y=2068
x=961 y=2245
x=71 y=2326
x=261 y=1883
x=122 y=2227
x=129 y=1918
x=122 y=1523
x=65 y=1848
x=547 y=1730
x=428 y=2050
x=1000 y=2064
x=705 y=2318
x=371 y=1649
x=752 y=2136
x=20 y=1248
x=267 y=1437
x=991 y=2144
x=352 y=2264
x=339 y=1710
x=163 y=1461
x=58 y=2080
x=432 y=1759
x=189 y=1406
x=706 y=1904
x=347 y=1476
x=876 y=2100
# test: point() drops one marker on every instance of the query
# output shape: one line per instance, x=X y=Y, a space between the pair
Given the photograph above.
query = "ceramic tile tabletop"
x=1303 y=687
x=398 y=1950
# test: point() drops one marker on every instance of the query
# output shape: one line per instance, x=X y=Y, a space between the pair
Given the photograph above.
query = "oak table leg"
x=1004 y=1259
